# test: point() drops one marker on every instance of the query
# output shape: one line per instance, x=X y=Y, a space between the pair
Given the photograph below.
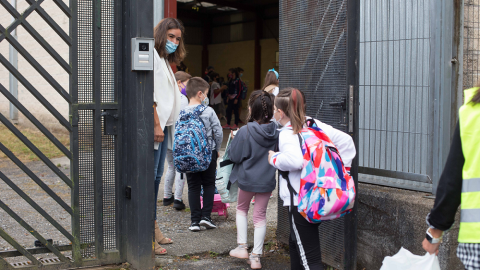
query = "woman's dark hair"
x=270 y=79
x=160 y=35
x=261 y=107
x=290 y=101
x=476 y=97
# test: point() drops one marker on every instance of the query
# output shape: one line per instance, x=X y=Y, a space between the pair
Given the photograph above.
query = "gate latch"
x=110 y=120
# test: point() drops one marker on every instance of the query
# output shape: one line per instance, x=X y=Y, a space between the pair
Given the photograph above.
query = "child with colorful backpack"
x=198 y=137
x=313 y=180
x=254 y=175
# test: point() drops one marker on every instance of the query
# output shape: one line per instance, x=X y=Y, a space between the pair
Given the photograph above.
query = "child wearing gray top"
x=197 y=93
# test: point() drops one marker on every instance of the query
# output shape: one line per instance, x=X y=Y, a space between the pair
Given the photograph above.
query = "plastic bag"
x=223 y=177
x=405 y=260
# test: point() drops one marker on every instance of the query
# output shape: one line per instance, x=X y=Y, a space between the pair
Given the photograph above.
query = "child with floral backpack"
x=291 y=161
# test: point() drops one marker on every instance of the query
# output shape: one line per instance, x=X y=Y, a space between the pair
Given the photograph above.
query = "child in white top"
x=290 y=113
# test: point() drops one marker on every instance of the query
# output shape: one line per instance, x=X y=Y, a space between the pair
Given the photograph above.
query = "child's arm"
x=216 y=129
x=290 y=156
x=237 y=147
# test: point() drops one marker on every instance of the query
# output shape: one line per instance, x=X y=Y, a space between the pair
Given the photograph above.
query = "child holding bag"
x=256 y=178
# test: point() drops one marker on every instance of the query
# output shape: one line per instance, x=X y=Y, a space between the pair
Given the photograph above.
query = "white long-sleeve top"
x=289 y=158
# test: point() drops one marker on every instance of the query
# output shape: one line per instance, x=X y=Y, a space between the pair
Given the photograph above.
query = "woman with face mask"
x=169 y=50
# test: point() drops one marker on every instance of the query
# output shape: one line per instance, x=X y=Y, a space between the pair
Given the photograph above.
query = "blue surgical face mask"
x=171 y=47
x=241 y=75
x=279 y=125
x=205 y=101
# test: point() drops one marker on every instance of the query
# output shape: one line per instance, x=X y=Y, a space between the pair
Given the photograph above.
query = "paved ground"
x=174 y=224
x=201 y=250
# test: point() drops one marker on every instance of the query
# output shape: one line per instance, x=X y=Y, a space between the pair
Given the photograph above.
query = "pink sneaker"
x=227 y=126
x=254 y=261
x=240 y=252
x=234 y=127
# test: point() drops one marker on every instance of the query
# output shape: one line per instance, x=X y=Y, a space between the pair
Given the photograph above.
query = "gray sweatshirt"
x=212 y=125
x=249 y=151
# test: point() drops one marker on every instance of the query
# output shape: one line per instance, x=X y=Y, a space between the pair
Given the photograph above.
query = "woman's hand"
x=236 y=101
x=231 y=134
x=429 y=247
x=158 y=136
x=270 y=155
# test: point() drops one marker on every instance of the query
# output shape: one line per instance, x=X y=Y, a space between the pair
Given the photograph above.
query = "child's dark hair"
x=261 y=107
x=290 y=101
x=194 y=85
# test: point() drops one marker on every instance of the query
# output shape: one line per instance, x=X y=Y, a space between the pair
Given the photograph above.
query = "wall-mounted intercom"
x=142 y=53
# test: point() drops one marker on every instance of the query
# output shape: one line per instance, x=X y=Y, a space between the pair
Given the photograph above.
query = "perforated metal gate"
x=93 y=99
x=318 y=45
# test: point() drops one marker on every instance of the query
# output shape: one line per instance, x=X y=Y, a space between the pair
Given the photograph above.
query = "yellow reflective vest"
x=469 y=119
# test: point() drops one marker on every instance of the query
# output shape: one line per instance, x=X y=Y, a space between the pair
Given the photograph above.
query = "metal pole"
x=158 y=11
x=13 y=83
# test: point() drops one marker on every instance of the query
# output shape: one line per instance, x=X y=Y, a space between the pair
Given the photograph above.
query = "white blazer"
x=166 y=95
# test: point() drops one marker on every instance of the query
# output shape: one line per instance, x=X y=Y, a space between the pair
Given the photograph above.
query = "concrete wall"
x=194 y=60
x=389 y=219
x=41 y=56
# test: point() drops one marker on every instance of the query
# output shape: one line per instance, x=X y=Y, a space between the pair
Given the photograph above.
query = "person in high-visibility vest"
x=460 y=185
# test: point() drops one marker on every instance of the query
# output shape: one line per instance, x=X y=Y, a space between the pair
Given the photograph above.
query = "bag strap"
x=226 y=163
x=199 y=110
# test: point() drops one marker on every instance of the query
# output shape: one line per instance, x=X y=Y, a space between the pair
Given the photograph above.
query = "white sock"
x=242 y=224
x=259 y=238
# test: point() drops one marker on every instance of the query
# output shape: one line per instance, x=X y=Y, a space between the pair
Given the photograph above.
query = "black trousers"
x=195 y=182
x=235 y=108
x=304 y=243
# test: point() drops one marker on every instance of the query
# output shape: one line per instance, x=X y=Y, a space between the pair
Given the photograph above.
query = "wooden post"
x=258 y=50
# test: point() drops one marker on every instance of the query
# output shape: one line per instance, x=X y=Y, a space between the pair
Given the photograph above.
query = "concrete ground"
x=212 y=243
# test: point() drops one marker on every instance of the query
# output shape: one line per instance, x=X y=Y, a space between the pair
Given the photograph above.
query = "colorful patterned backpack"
x=191 y=150
x=327 y=191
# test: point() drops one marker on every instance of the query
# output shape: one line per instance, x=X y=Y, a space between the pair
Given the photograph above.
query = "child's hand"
x=231 y=134
x=270 y=155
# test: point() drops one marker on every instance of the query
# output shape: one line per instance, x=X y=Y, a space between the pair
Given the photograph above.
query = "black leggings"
x=236 y=110
x=304 y=243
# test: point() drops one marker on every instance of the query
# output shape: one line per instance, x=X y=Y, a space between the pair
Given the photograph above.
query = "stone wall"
x=389 y=219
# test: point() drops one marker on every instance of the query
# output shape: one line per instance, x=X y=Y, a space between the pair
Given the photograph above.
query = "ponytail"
x=290 y=101
x=476 y=97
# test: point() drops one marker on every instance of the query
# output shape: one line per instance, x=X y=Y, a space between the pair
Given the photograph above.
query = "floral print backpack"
x=191 y=150
x=327 y=191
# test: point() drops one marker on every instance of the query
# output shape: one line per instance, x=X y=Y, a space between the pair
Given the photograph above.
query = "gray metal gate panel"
x=395 y=98
x=316 y=57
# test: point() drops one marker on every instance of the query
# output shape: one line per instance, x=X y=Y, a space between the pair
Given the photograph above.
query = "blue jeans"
x=159 y=163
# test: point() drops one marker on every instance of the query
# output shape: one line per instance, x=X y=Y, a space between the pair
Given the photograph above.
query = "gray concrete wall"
x=389 y=219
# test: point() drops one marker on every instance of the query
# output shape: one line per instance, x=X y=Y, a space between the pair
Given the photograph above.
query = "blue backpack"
x=191 y=150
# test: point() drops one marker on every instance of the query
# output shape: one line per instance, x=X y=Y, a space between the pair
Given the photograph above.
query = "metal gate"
x=98 y=71
x=318 y=55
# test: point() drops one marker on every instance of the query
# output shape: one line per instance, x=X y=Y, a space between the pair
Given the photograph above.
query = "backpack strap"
x=199 y=110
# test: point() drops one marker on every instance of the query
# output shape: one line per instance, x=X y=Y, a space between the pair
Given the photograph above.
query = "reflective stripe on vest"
x=469 y=119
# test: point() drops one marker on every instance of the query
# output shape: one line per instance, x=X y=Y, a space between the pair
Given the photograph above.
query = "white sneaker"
x=254 y=261
x=195 y=227
x=240 y=252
